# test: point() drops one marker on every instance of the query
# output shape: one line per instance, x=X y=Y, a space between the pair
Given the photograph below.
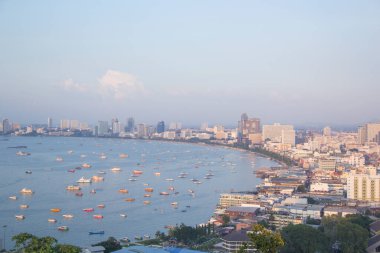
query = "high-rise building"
x=369 y=133
x=277 y=132
x=116 y=126
x=83 y=126
x=103 y=128
x=74 y=124
x=365 y=187
x=7 y=127
x=160 y=127
x=327 y=131
x=247 y=126
x=65 y=124
x=50 y=123
x=130 y=125
x=175 y=126
x=141 y=130
x=204 y=126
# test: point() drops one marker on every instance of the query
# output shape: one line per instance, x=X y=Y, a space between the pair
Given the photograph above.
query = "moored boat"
x=148 y=189
x=157 y=174
x=116 y=169
x=130 y=199
x=26 y=191
x=73 y=188
x=13 y=197
x=59 y=159
x=28 y=172
x=84 y=180
x=21 y=153
x=97 y=178
x=98 y=216
x=24 y=206
x=123 y=191
x=147 y=202
x=123 y=215
x=147 y=195
x=79 y=194
x=88 y=210
x=123 y=155
x=101 y=206
x=96 y=233
x=169 y=179
x=52 y=220
x=101 y=172
x=137 y=172
x=86 y=166
x=63 y=228
x=164 y=193
x=67 y=216
x=19 y=217
x=55 y=210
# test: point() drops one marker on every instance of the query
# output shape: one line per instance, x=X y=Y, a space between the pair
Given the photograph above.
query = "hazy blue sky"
x=190 y=61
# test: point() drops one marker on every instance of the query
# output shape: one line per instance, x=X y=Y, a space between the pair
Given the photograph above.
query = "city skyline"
x=156 y=61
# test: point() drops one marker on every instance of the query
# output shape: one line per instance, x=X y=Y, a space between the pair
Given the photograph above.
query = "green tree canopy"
x=264 y=240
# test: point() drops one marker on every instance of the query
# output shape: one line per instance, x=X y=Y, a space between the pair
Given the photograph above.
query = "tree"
x=111 y=244
x=301 y=188
x=226 y=219
x=29 y=243
x=264 y=240
x=304 y=239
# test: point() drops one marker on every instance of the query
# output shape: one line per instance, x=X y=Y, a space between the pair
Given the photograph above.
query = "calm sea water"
x=232 y=169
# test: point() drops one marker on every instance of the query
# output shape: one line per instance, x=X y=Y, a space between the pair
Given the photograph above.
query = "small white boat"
x=13 y=197
x=26 y=191
x=73 y=188
x=174 y=203
x=19 y=217
x=59 y=159
x=21 y=153
x=132 y=179
x=102 y=172
x=103 y=157
x=86 y=166
x=24 y=206
x=52 y=220
x=63 y=228
x=123 y=215
x=115 y=169
x=169 y=179
x=83 y=156
x=83 y=180
x=68 y=216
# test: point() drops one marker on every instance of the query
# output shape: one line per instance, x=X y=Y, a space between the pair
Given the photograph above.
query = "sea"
x=207 y=171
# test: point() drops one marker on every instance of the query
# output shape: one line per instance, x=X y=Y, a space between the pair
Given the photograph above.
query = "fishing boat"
x=147 y=202
x=115 y=169
x=28 y=172
x=97 y=216
x=164 y=193
x=21 y=153
x=86 y=166
x=13 y=197
x=88 y=210
x=123 y=155
x=97 y=178
x=83 y=180
x=137 y=172
x=55 y=210
x=63 y=228
x=174 y=203
x=148 y=189
x=73 y=188
x=101 y=206
x=26 y=191
x=59 y=159
x=123 y=215
x=96 y=233
x=123 y=191
x=52 y=220
x=147 y=195
x=19 y=217
x=68 y=216
x=24 y=206
x=130 y=199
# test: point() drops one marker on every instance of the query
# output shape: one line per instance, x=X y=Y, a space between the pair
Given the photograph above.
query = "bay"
x=232 y=170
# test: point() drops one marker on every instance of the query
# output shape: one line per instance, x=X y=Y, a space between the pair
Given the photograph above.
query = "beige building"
x=279 y=133
x=369 y=133
x=364 y=186
x=327 y=164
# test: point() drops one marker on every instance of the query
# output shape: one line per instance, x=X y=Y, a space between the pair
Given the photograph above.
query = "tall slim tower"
x=50 y=123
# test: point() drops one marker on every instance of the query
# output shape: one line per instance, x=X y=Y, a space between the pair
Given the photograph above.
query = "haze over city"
x=313 y=62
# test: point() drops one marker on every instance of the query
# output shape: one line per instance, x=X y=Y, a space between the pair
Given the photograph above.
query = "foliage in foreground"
x=29 y=243
x=110 y=245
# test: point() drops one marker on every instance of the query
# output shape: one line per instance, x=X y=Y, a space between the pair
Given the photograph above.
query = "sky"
x=294 y=62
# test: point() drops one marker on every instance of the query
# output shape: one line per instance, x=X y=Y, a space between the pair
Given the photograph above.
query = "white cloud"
x=120 y=85
x=70 y=85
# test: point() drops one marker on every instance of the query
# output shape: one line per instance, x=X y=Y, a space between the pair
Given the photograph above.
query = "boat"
x=115 y=169
x=73 y=188
x=13 y=197
x=147 y=202
x=149 y=189
x=96 y=233
x=71 y=170
x=130 y=199
x=103 y=157
x=28 y=172
x=67 y=216
x=137 y=172
x=132 y=179
x=52 y=220
x=101 y=172
x=21 y=153
x=147 y=195
x=171 y=188
x=70 y=152
x=157 y=174
x=101 y=206
x=164 y=193
x=55 y=210
x=63 y=228
x=123 y=155
x=123 y=191
x=97 y=178
x=88 y=210
x=83 y=156
x=83 y=180
x=24 y=206
x=79 y=194
x=93 y=191
x=169 y=179
x=174 y=203
x=98 y=216
x=59 y=159
x=19 y=217
x=26 y=191
x=78 y=168
x=123 y=215
x=86 y=166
